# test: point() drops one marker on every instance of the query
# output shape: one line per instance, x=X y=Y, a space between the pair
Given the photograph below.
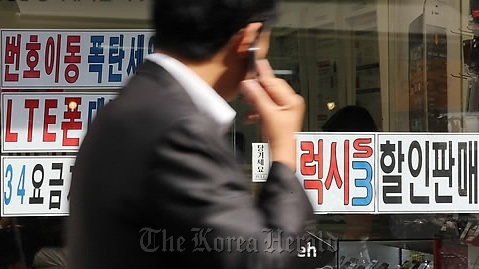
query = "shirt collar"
x=205 y=98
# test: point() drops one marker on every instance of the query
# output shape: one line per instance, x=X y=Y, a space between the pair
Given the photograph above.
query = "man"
x=155 y=182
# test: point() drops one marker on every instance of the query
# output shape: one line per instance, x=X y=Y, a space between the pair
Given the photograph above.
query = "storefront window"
x=397 y=186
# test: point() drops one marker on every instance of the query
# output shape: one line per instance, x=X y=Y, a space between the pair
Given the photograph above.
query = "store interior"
x=337 y=53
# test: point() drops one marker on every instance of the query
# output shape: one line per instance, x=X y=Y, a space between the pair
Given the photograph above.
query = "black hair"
x=197 y=29
x=350 y=118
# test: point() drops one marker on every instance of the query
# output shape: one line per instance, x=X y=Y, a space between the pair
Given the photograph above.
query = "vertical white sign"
x=260 y=162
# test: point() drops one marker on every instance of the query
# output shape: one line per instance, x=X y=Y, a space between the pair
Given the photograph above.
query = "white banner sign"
x=48 y=122
x=46 y=59
x=389 y=172
x=337 y=171
x=35 y=186
x=260 y=162
x=428 y=173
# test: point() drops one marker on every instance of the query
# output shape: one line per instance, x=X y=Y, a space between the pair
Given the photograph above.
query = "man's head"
x=351 y=118
x=213 y=37
x=198 y=29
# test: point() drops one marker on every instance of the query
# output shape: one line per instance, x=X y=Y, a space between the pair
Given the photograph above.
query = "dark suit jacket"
x=156 y=183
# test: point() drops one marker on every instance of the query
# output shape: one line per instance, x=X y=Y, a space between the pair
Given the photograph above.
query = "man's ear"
x=245 y=38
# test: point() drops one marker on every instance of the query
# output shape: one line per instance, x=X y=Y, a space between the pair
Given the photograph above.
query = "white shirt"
x=205 y=98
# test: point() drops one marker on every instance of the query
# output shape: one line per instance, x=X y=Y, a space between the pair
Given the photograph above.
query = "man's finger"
x=256 y=95
x=279 y=90
x=264 y=69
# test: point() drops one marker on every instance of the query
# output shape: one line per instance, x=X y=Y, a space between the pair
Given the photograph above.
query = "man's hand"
x=280 y=110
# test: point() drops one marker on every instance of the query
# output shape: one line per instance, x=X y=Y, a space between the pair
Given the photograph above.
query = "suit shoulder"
x=146 y=101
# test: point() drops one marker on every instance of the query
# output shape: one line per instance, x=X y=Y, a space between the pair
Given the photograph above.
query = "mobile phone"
x=345 y=265
x=383 y=265
x=423 y=265
x=428 y=68
x=372 y=264
x=252 y=73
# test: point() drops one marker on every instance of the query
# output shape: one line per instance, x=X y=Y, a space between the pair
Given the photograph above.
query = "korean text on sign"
x=337 y=171
x=48 y=122
x=428 y=172
x=260 y=162
x=35 y=186
x=42 y=59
